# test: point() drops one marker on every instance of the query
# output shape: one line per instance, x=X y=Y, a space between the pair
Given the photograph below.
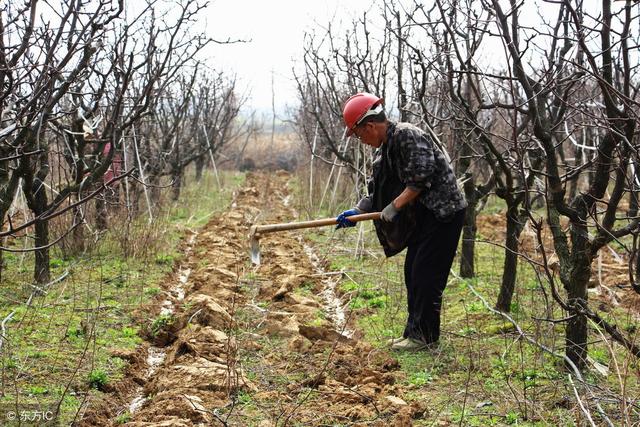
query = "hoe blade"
x=255 y=246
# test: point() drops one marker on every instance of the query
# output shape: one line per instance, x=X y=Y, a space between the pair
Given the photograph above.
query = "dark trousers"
x=426 y=269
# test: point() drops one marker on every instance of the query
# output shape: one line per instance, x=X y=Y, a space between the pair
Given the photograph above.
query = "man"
x=422 y=208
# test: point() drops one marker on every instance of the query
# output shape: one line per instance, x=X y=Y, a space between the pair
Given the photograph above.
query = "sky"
x=274 y=30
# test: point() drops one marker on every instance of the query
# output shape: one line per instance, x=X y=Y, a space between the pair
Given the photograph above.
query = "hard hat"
x=358 y=107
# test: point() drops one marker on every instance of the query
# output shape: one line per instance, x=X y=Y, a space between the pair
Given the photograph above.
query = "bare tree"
x=552 y=96
x=75 y=88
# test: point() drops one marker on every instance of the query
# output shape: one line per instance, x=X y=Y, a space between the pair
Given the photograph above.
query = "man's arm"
x=407 y=196
x=390 y=212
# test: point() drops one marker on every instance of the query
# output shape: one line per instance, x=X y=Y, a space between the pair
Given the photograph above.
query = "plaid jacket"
x=417 y=163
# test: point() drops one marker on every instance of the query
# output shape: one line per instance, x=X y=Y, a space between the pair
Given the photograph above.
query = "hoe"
x=257 y=230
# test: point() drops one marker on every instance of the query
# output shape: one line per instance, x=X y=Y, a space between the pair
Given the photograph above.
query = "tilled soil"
x=609 y=284
x=243 y=345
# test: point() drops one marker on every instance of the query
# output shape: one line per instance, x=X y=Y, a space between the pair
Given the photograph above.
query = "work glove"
x=343 y=222
x=389 y=213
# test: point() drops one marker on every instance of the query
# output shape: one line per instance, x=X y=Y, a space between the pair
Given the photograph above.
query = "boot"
x=409 y=344
x=392 y=341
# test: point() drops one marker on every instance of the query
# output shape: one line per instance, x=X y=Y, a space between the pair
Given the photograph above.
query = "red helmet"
x=357 y=107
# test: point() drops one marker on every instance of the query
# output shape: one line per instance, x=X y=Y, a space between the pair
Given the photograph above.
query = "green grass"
x=65 y=336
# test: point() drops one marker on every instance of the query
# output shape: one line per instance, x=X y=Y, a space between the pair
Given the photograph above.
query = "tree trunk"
x=1 y=263
x=467 y=253
x=177 y=185
x=469 y=227
x=154 y=188
x=634 y=193
x=576 y=330
x=199 y=167
x=576 y=333
x=510 y=271
x=77 y=241
x=42 y=273
x=101 y=213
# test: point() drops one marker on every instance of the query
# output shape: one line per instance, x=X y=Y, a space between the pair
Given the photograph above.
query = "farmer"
x=415 y=189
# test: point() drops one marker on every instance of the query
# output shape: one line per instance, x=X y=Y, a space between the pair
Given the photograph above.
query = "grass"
x=59 y=347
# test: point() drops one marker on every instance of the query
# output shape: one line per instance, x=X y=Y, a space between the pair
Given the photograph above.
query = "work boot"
x=392 y=341
x=409 y=344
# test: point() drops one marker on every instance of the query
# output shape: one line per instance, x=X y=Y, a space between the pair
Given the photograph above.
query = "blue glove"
x=343 y=222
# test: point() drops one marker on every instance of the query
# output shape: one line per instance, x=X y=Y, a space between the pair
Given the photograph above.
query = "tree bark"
x=102 y=222
x=510 y=270
x=42 y=273
x=77 y=244
x=576 y=332
x=469 y=229
x=177 y=185
x=199 y=167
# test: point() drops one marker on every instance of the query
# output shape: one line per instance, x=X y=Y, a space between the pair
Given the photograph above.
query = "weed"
x=529 y=377
x=98 y=379
x=319 y=319
x=511 y=418
x=161 y=322
x=37 y=390
x=123 y=418
x=76 y=332
x=244 y=398
x=348 y=286
x=11 y=364
x=165 y=259
x=56 y=262
x=152 y=291
x=38 y=354
x=475 y=307
x=307 y=286
x=129 y=332
x=600 y=355
x=467 y=331
x=420 y=378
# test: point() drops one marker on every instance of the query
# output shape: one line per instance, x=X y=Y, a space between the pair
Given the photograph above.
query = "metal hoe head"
x=255 y=245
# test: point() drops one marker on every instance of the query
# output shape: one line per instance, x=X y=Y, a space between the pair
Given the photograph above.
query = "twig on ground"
x=584 y=410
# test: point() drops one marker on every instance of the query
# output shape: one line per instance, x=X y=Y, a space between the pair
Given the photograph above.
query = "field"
x=141 y=142
x=200 y=336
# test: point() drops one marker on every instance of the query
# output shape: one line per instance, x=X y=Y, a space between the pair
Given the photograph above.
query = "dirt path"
x=234 y=344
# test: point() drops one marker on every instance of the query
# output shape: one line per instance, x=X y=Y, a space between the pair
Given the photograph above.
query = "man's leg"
x=408 y=281
x=429 y=273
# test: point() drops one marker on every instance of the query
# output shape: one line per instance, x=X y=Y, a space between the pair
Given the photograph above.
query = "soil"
x=610 y=285
x=252 y=345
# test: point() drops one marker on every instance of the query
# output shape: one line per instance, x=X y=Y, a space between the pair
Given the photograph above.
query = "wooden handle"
x=310 y=224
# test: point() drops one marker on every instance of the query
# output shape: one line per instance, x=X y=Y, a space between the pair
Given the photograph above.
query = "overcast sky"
x=274 y=32
x=275 y=29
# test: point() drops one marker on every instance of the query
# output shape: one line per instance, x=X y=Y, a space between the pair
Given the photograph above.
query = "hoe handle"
x=310 y=224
